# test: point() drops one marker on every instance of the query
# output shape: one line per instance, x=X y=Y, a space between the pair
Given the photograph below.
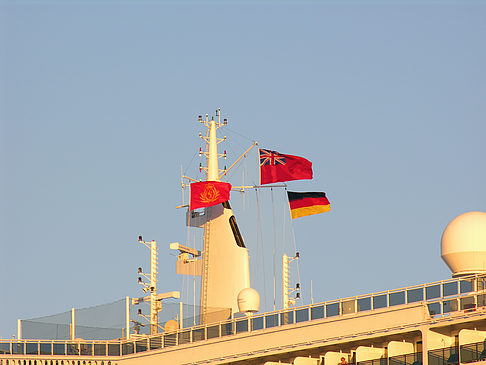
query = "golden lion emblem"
x=210 y=194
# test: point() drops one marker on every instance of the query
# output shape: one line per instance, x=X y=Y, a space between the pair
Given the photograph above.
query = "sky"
x=98 y=115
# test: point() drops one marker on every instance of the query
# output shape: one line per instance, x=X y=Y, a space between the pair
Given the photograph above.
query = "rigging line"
x=239 y=134
x=260 y=235
x=245 y=178
x=191 y=242
x=188 y=240
x=284 y=220
x=195 y=238
x=244 y=155
x=298 y=267
x=283 y=230
x=230 y=175
x=243 y=198
x=295 y=251
x=230 y=148
x=190 y=162
x=274 y=250
x=237 y=167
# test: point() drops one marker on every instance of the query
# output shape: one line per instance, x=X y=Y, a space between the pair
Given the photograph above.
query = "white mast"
x=285 y=281
x=152 y=286
x=225 y=266
x=212 y=158
x=286 y=301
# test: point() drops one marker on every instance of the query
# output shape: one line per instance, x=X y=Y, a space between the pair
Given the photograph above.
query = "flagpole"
x=259 y=167
x=258 y=186
x=239 y=158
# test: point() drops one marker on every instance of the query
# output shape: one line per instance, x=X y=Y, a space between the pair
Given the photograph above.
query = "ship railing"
x=60 y=347
x=473 y=352
x=444 y=356
x=414 y=358
x=441 y=298
x=468 y=292
x=454 y=355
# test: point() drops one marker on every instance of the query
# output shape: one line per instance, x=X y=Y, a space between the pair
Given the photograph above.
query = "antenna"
x=152 y=285
x=211 y=150
x=285 y=282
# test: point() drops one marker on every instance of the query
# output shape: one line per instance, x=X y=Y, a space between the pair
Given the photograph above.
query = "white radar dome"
x=248 y=300
x=463 y=244
x=171 y=326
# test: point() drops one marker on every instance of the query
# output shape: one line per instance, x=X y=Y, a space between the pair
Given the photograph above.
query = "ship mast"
x=212 y=141
x=213 y=169
x=225 y=262
x=212 y=174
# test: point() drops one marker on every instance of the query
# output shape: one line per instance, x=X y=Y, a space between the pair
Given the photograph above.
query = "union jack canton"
x=268 y=157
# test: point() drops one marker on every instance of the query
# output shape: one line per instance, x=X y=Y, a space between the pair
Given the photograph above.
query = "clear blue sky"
x=98 y=111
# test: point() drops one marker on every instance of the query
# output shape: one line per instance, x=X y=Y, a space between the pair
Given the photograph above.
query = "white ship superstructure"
x=437 y=323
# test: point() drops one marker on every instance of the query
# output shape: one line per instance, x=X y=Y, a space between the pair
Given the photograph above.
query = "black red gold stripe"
x=302 y=204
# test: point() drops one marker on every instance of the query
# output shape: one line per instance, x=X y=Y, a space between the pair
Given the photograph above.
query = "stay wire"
x=295 y=249
x=239 y=134
x=189 y=165
x=260 y=243
x=274 y=249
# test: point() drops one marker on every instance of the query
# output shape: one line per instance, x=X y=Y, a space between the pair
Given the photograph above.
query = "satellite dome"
x=463 y=244
x=248 y=300
x=171 y=326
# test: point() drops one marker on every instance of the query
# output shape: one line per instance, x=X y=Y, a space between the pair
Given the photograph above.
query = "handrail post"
x=19 y=329
x=127 y=317
x=73 y=324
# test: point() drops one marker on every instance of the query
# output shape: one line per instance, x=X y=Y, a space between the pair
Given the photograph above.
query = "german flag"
x=302 y=204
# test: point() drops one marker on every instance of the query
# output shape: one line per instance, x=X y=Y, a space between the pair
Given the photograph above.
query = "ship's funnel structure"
x=463 y=244
x=225 y=265
x=226 y=269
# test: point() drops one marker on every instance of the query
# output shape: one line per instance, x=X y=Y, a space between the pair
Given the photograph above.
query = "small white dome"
x=171 y=326
x=463 y=244
x=248 y=300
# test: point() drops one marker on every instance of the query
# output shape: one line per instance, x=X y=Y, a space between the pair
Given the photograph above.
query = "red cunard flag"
x=209 y=193
x=277 y=167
